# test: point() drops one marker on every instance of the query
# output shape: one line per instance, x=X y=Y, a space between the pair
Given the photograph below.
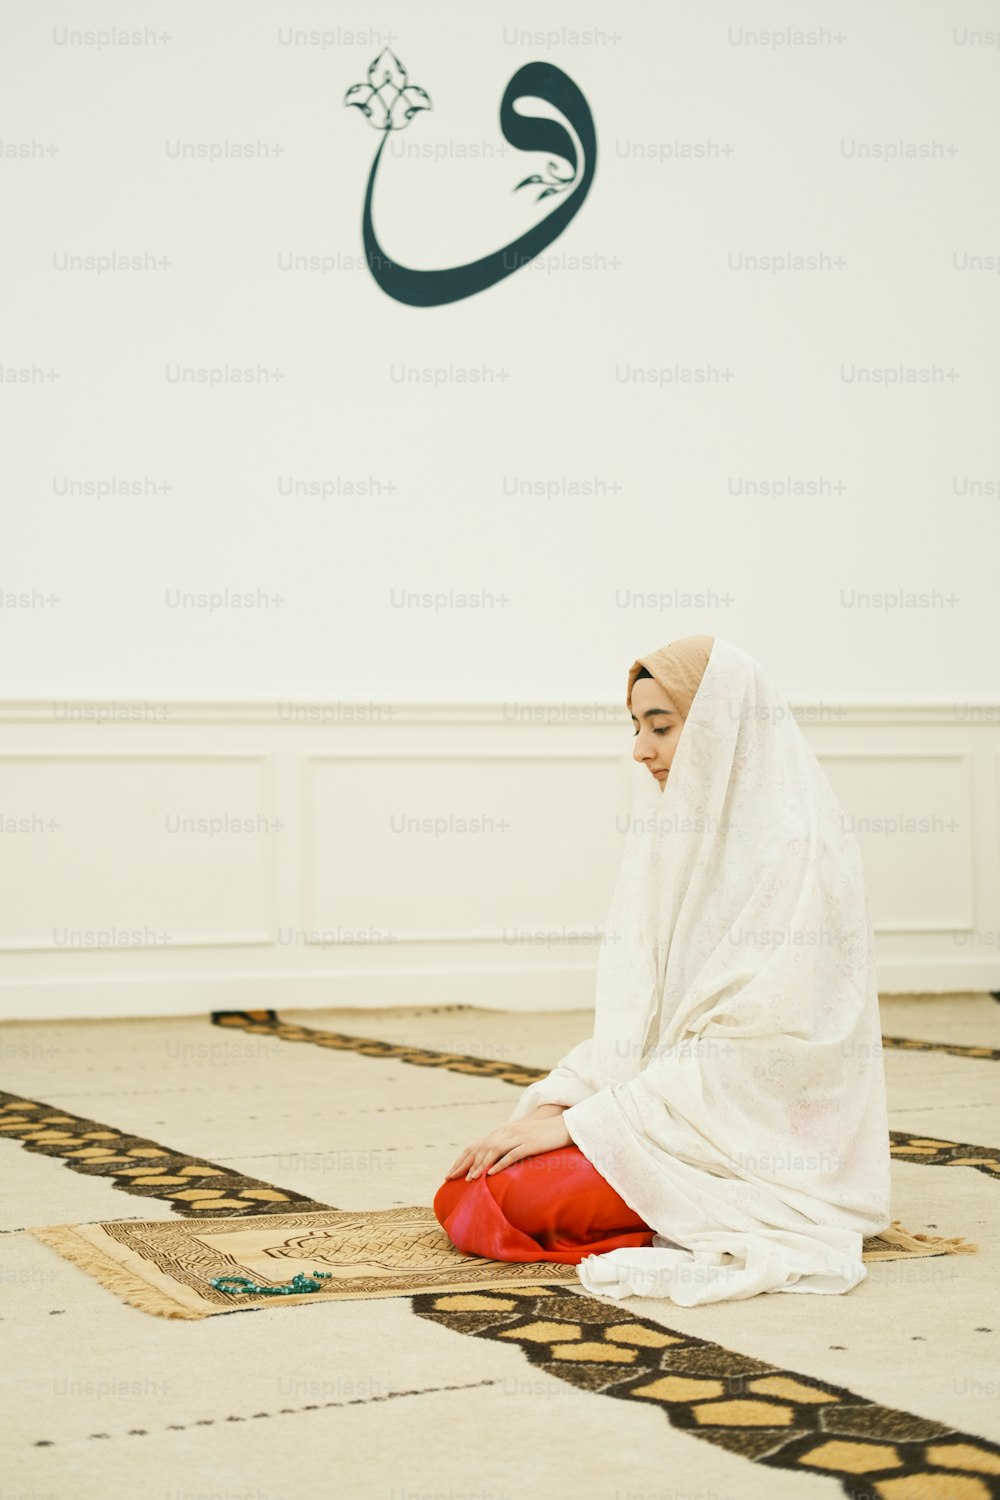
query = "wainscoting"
x=167 y=859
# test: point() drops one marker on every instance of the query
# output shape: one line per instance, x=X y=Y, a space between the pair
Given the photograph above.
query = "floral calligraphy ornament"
x=388 y=84
x=555 y=183
x=379 y=97
x=389 y=102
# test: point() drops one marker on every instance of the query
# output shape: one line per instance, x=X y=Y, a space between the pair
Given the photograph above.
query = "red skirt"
x=553 y=1206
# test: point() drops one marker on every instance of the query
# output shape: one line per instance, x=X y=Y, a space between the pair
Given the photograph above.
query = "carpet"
x=168 y=1267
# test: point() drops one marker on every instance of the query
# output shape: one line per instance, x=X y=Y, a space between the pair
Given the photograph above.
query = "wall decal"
x=389 y=102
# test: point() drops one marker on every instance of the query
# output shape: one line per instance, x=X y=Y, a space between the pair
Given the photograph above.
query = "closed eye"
x=655 y=731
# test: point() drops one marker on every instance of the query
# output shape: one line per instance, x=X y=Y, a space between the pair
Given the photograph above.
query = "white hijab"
x=733 y=1092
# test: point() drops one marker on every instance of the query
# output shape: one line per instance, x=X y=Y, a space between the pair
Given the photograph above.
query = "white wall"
x=778 y=576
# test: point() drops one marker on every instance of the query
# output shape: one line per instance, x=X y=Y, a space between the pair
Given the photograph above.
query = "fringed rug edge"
x=64 y=1239
x=902 y=1244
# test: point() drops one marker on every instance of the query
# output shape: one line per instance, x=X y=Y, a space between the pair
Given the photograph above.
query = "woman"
x=724 y=1131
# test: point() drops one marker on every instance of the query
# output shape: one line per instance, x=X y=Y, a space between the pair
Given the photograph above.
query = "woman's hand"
x=501 y=1148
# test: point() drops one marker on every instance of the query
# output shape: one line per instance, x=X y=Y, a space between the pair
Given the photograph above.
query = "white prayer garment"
x=733 y=1091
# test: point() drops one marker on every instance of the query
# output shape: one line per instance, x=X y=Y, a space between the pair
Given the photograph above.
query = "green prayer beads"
x=235 y=1285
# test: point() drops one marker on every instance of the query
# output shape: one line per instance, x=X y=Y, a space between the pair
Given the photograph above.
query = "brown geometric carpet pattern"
x=267 y=1023
x=904 y=1145
x=912 y=1044
x=139 y=1166
x=768 y=1415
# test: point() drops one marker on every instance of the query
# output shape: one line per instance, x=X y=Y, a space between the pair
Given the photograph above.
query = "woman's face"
x=658 y=726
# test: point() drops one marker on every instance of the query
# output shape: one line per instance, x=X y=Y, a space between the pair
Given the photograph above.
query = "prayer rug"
x=168 y=1268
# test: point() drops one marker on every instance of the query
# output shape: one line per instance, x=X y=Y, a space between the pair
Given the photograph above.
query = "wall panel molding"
x=325 y=907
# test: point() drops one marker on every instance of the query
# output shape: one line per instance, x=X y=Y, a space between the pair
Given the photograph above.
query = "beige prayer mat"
x=167 y=1267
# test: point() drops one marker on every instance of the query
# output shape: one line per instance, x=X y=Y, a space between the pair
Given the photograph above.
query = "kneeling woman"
x=724 y=1131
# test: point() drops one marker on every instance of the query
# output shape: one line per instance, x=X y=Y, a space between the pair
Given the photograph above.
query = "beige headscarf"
x=678 y=668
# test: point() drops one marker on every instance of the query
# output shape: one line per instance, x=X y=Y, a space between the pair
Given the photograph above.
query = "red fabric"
x=553 y=1206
